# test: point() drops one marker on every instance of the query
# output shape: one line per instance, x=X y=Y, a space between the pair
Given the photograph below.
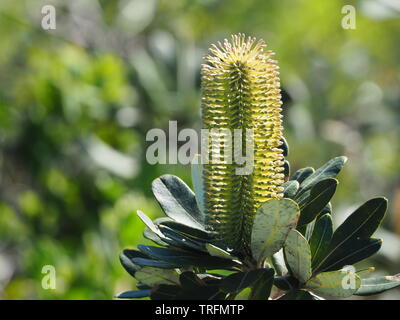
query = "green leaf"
x=165 y=292
x=371 y=286
x=244 y=294
x=342 y=284
x=262 y=287
x=320 y=239
x=218 y=252
x=189 y=279
x=134 y=294
x=126 y=260
x=187 y=231
x=272 y=223
x=349 y=253
x=299 y=295
x=350 y=242
x=197 y=181
x=290 y=188
x=328 y=170
x=179 y=240
x=362 y=223
x=194 y=288
x=202 y=293
x=142 y=286
x=284 y=147
x=287 y=282
x=319 y=197
x=186 y=259
x=302 y=174
x=151 y=276
x=148 y=234
x=286 y=167
x=365 y=271
x=238 y=281
x=144 y=262
x=177 y=200
x=327 y=209
x=298 y=255
x=149 y=223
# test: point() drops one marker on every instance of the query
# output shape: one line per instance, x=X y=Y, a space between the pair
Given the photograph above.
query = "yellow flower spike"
x=241 y=90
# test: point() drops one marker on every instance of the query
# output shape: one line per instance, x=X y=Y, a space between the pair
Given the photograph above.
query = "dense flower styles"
x=241 y=90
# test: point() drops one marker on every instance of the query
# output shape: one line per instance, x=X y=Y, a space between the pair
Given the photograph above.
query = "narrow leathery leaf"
x=177 y=200
x=144 y=262
x=134 y=294
x=161 y=253
x=179 y=240
x=362 y=223
x=350 y=253
x=211 y=292
x=165 y=292
x=341 y=284
x=315 y=297
x=241 y=91
x=298 y=295
x=163 y=220
x=328 y=170
x=298 y=255
x=185 y=258
x=327 y=209
x=321 y=239
x=290 y=188
x=244 y=294
x=190 y=279
x=125 y=258
x=272 y=223
x=309 y=230
x=285 y=147
x=210 y=278
x=142 y=286
x=372 y=286
x=152 y=276
x=286 y=282
x=194 y=288
x=320 y=196
x=132 y=253
x=148 y=222
x=197 y=181
x=286 y=168
x=238 y=281
x=148 y=234
x=302 y=229
x=302 y=174
x=188 y=231
x=365 y=271
x=261 y=289
x=218 y=252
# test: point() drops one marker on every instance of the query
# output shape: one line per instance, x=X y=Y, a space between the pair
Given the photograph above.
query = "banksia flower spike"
x=241 y=90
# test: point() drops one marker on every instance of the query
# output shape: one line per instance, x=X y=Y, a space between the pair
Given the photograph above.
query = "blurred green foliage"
x=76 y=103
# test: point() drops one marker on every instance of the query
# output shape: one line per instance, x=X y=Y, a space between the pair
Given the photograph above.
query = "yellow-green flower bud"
x=241 y=90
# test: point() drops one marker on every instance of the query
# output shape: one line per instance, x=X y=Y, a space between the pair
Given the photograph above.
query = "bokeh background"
x=76 y=103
